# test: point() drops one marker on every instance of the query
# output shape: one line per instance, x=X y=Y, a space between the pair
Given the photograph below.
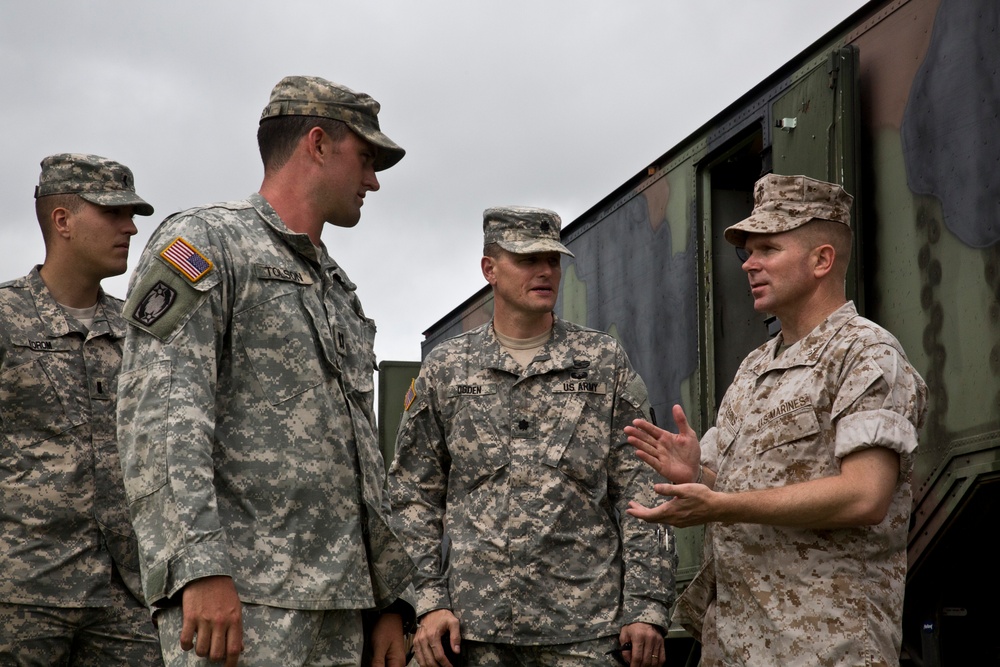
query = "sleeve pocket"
x=143 y=404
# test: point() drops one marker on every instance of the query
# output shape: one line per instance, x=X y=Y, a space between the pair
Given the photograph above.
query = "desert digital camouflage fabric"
x=64 y=523
x=246 y=419
x=783 y=203
x=786 y=596
x=525 y=474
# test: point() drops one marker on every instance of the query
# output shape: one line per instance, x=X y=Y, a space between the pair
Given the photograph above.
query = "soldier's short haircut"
x=45 y=205
x=492 y=250
x=277 y=137
x=819 y=232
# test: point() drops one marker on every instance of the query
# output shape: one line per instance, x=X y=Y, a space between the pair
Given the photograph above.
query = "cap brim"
x=762 y=223
x=118 y=198
x=389 y=152
x=535 y=246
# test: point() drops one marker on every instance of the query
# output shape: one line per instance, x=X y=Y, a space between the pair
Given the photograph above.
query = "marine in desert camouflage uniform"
x=804 y=479
x=247 y=427
x=69 y=568
x=512 y=446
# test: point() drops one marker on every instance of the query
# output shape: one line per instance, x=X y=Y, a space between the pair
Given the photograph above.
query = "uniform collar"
x=808 y=350
x=555 y=354
x=300 y=243
x=53 y=317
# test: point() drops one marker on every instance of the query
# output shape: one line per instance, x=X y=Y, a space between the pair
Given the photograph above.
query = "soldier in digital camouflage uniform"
x=69 y=568
x=512 y=445
x=805 y=478
x=246 y=426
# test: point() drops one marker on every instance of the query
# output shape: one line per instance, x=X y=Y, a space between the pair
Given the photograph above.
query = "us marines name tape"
x=784 y=407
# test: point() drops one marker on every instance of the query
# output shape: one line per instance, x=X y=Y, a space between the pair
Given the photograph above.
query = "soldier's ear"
x=488 y=265
x=60 y=217
x=824 y=257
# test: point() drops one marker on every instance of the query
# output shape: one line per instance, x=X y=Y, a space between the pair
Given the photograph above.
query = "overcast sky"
x=530 y=102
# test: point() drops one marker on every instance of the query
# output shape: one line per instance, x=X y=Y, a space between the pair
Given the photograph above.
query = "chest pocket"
x=34 y=401
x=355 y=346
x=787 y=429
x=477 y=449
x=578 y=444
x=279 y=341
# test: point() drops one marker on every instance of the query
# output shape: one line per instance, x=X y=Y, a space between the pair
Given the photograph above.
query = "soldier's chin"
x=347 y=223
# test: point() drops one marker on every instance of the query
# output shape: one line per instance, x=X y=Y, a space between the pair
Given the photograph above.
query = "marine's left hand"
x=388 y=645
x=647 y=645
x=690 y=505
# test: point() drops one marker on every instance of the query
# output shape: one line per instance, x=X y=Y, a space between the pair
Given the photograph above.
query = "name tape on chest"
x=580 y=387
x=269 y=272
x=783 y=408
x=186 y=259
x=472 y=389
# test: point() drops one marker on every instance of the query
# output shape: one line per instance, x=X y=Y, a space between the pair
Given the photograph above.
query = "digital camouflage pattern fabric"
x=794 y=596
x=529 y=475
x=783 y=203
x=523 y=230
x=570 y=654
x=314 y=96
x=275 y=636
x=64 y=523
x=118 y=635
x=246 y=419
x=94 y=178
x=70 y=586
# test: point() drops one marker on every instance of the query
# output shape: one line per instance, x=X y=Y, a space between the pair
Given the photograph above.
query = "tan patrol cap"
x=782 y=203
x=523 y=230
x=93 y=178
x=313 y=96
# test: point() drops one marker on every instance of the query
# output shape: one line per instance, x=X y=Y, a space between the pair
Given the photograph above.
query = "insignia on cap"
x=186 y=259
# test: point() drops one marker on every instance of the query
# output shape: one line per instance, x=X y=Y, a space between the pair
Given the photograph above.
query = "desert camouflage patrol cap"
x=781 y=203
x=523 y=230
x=313 y=96
x=93 y=178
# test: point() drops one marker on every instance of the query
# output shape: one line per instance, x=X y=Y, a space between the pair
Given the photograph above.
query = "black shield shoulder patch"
x=155 y=304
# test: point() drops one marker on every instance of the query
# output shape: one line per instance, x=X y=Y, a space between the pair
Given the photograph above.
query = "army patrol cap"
x=523 y=230
x=781 y=203
x=93 y=178
x=313 y=96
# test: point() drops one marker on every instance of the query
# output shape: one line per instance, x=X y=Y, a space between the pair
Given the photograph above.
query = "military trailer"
x=900 y=104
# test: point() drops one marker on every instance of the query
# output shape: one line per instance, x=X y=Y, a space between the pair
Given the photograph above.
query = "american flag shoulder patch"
x=185 y=258
x=411 y=395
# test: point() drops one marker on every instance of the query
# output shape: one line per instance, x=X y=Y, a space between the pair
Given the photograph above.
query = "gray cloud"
x=497 y=102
